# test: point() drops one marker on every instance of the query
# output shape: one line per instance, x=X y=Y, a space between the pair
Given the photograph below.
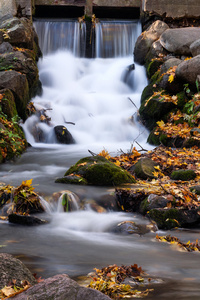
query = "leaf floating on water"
x=174 y=240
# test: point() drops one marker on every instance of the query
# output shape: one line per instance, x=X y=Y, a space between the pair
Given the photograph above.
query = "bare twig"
x=92 y=153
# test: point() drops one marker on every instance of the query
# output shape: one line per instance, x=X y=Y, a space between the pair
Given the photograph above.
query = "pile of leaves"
x=175 y=241
x=184 y=123
x=12 y=141
x=12 y=289
x=24 y=199
x=168 y=160
x=109 y=280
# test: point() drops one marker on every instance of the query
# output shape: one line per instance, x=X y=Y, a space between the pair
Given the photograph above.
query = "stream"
x=100 y=96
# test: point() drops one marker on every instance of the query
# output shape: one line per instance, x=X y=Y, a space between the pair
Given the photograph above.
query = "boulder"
x=63 y=136
x=25 y=220
x=97 y=170
x=144 y=168
x=130 y=227
x=195 y=48
x=195 y=189
x=154 y=110
x=175 y=217
x=129 y=200
x=178 y=40
x=6 y=47
x=18 y=32
x=19 y=62
x=18 y=84
x=13 y=268
x=146 y=39
x=189 y=70
x=155 y=51
x=184 y=175
x=153 y=201
x=60 y=287
x=170 y=63
x=8 y=103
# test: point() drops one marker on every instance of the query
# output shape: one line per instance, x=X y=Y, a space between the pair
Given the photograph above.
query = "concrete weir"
x=127 y=9
x=119 y=9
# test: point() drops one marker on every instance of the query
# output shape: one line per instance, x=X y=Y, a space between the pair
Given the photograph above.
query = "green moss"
x=153 y=139
x=165 y=219
x=147 y=92
x=181 y=99
x=8 y=104
x=183 y=175
x=144 y=206
x=97 y=170
x=153 y=67
x=72 y=180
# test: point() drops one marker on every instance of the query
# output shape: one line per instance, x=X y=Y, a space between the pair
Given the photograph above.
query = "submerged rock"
x=130 y=227
x=63 y=136
x=25 y=220
x=96 y=170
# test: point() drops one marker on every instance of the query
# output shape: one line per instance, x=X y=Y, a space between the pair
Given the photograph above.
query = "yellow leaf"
x=161 y=124
x=27 y=182
x=171 y=78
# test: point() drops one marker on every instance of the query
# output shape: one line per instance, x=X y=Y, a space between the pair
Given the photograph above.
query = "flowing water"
x=100 y=97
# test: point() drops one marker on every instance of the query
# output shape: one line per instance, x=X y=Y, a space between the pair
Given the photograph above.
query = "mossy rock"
x=165 y=218
x=184 y=175
x=144 y=168
x=154 y=110
x=153 y=67
x=8 y=104
x=97 y=170
x=181 y=99
x=153 y=139
x=147 y=92
x=151 y=202
x=195 y=189
x=72 y=179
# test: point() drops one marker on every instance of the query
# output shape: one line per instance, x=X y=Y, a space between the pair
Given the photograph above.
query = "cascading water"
x=90 y=93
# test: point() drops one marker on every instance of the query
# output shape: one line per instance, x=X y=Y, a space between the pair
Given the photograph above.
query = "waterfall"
x=116 y=39
x=54 y=35
x=96 y=95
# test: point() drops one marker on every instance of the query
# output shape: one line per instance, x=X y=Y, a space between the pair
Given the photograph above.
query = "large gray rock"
x=19 y=62
x=18 y=84
x=13 y=268
x=170 y=63
x=5 y=47
x=195 y=48
x=60 y=287
x=19 y=32
x=146 y=39
x=178 y=40
x=189 y=70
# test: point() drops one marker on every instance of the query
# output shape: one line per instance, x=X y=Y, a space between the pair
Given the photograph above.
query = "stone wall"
x=27 y=6
x=172 y=8
x=7 y=7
